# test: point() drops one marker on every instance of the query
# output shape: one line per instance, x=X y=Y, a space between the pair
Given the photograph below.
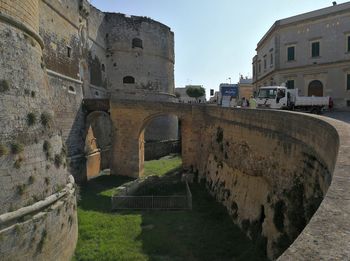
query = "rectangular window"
x=348 y=82
x=290 y=84
x=259 y=67
x=348 y=41
x=69 y=52
x=271 y=59
x=315 y=49
x=291 y=53
x=348 y=103
x=265 y=63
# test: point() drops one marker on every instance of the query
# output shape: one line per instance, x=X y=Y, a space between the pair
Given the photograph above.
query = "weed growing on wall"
x=16 y=148
x=31 y=119
x=46 y=119
x=47 y=149
x=4 y=86
x=31 y=179
x=58 y=160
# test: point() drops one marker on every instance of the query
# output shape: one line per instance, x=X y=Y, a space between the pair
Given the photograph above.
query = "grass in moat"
x=205 y=233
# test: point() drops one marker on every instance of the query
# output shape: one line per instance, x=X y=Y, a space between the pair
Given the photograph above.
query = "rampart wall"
x=37 y=196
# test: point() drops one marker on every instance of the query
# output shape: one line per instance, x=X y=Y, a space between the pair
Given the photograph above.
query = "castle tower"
x=38 y=207
x=141 y=66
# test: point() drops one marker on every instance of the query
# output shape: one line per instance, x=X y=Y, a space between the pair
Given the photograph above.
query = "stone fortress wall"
x=53 y=54
x=38 y=218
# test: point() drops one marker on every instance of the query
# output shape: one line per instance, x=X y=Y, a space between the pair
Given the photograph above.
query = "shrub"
x=31 y=119
x=4 y=86
x=46 y=119
x=27 y=92
x=16 y=148
x=33 y=94
x=3 y=150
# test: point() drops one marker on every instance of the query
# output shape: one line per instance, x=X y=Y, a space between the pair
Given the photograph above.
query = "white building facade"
x=310 y=52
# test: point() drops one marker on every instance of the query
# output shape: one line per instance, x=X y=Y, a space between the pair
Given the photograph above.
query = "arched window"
x=137 y=43
x=128 y=79
x=315 y=88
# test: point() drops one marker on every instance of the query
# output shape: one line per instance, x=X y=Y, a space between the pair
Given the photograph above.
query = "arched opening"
x=98 y=140
x=137 y=43
x=160 y=144
x=315 y=88
x=128 y=80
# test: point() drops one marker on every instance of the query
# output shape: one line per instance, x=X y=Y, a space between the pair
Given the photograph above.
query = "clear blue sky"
x=214 y=39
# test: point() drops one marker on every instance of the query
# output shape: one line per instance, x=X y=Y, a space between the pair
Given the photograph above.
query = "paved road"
x=343 y=116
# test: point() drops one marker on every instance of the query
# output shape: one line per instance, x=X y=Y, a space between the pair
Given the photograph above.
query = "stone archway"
x=315 y=88
x=147 y=123
x=97 y=143
x=129 y=121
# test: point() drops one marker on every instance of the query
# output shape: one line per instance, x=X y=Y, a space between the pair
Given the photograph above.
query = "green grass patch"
x=163 y=165
x=205 y=233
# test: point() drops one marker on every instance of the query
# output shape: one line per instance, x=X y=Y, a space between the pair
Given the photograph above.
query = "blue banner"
x=229 y=91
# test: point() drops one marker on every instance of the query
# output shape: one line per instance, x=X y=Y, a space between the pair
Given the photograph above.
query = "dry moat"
x=204 y=233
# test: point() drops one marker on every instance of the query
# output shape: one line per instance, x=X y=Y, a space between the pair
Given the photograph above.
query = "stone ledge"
x=12 y=217
x=21 y=26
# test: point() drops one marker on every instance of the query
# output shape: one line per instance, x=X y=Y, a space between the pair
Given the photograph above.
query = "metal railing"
x=181 y=202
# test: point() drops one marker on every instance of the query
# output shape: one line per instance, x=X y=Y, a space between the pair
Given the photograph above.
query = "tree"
x=195 y=92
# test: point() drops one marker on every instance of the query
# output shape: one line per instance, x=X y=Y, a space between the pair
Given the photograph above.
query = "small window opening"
x=128 y=79
x=115 y=64
x=137 y=43
x=97 y=94
x=69 y=51
x=103 y=67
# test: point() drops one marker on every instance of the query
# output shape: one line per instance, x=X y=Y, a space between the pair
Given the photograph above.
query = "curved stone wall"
x=32 y=157
x=270 y=169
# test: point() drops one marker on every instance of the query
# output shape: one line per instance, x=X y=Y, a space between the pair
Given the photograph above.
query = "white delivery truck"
x=279 y=97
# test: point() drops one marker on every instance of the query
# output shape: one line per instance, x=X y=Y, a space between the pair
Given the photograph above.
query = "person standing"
x=252 y=103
